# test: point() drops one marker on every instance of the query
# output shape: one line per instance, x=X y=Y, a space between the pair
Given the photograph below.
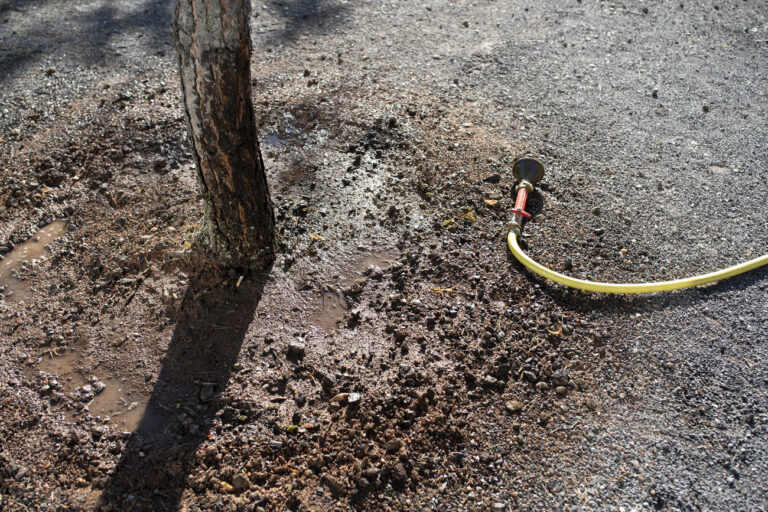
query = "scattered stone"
x=328 y=380
x=399 y=475
x=21 y=472
x=97 y=432
x=502 y=371
x=74 y=437
x=498 y=507
x=210 y=453
x=354 y=318
x=297 y=349
x=371 y=473
x=84 y=393
x=354 y=398
x=514 y=406
x=206 y=393
x=335 y=485
x=374 y=273
x=561 y=390
x=339 y=398
x=316 y=463
x=560 y=378
x=240 y=482
x=160 y=165
x=393 y=445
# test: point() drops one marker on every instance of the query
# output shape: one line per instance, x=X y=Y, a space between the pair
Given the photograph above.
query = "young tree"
x=214 y=46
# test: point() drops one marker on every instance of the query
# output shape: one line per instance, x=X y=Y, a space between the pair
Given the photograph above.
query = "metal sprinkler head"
x=528 y=169
x=528 y=172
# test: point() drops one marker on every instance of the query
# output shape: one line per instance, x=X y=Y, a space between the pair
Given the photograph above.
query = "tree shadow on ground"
x=83 y=32
x=212 y=323
x=306 y=16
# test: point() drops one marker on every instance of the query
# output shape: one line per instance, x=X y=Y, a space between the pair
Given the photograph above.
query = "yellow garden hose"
x=659 y=286
x=529 y=172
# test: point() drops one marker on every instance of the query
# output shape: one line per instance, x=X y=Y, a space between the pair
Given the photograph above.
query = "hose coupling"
x=524 y=184
x=516 y=225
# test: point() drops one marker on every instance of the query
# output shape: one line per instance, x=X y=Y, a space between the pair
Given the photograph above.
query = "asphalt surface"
x=651 y=117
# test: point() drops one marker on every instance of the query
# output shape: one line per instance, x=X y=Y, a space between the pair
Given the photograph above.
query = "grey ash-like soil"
x=395 y=357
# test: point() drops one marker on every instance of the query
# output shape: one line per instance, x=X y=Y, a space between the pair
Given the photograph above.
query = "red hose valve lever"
x=522 y=197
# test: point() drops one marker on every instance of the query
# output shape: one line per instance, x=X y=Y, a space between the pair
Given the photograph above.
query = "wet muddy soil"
x=24 y=260
x=340 y=297
x=108 y=400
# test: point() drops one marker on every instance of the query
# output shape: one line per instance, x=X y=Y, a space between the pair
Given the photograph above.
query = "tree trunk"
x=214 y=46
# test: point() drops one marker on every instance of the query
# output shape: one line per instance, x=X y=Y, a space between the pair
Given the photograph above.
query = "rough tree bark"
x=214 y=46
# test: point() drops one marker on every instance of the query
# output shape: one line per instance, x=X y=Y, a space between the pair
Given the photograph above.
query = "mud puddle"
x=277 y=140
x=340 y=297
x=27 y=254
x=103 y=396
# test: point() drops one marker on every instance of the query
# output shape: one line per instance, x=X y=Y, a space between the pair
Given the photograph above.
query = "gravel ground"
x=384 y=126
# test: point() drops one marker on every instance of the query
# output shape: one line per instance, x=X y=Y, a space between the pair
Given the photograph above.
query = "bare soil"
x=394 y=357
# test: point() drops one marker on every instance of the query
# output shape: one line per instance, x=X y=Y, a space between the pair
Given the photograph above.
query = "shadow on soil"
x=213 y=321
x=92 y=26
x=86 y=35
x=306 y=16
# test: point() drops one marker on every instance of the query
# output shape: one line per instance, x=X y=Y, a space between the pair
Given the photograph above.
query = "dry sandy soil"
x=395 y=357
